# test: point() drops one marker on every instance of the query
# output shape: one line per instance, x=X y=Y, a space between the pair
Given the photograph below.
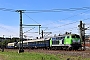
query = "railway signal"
x=82 y=33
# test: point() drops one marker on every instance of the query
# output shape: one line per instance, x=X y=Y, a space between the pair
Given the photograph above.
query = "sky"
x=55 y=22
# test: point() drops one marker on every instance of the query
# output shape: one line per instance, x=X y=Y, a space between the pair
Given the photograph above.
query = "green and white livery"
x=71 y=41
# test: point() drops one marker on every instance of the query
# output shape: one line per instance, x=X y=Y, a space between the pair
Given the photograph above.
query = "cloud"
x=61 y=26
x=9 y=30
x=53 y=26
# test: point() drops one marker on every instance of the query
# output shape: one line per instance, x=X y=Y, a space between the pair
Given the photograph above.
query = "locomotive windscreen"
x=75 y=36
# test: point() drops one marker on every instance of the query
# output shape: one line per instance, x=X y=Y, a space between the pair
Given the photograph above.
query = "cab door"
x=67 y=40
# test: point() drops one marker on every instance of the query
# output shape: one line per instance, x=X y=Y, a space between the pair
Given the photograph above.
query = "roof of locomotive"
x=70 y=34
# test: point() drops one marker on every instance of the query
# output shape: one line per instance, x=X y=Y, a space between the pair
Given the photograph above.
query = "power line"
x=71 y=28
x=87 y=23
x=48 y=10
x=75 y=15
x=57 y=10
x=8 y=30
x=64 y=25
x=65 y=30
x=31 y=18
x=5 y=9
x=70 y=17
x=52 y=10
x=29 y=30
x=68 y=24
x=63 y=19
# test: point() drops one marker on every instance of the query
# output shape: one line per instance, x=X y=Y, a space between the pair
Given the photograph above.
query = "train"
x=64 y=42
x=11 y=45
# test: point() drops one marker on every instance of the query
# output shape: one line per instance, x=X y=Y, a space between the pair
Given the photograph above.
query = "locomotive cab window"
x=68 y=37
x=75 y=36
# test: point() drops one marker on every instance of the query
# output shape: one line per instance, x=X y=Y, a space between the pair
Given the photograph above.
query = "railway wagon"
x=35 y=43
x=11 y=45
x=39 y=43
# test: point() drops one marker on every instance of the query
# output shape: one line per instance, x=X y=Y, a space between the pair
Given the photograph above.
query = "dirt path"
x=2 y=57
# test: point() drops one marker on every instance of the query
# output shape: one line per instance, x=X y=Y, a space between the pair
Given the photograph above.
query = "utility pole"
x=80 y=27
x=42 y=33
x=21 y=32
x=39 y=29
x=81 y=30
x=83 y=35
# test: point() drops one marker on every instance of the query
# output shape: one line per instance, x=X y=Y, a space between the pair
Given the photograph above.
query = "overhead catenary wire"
x=83 y=8
x=57 y=26
x=57 y=10
x=68 y=24
x=70 y=30
x=52 y=10
x=29 y=30
x=66 y=29
x=5 y=9
x=10 y=31
x=31 y=18
x=75 y=15
x=48 y=10
x=62 y=25
x=69 y=17
x=87 y=23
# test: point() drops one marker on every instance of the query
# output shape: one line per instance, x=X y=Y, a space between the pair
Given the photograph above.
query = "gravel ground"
x=85 y=54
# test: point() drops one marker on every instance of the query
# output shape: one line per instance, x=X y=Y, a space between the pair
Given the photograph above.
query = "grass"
x=13 y=55
x=26 y=56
